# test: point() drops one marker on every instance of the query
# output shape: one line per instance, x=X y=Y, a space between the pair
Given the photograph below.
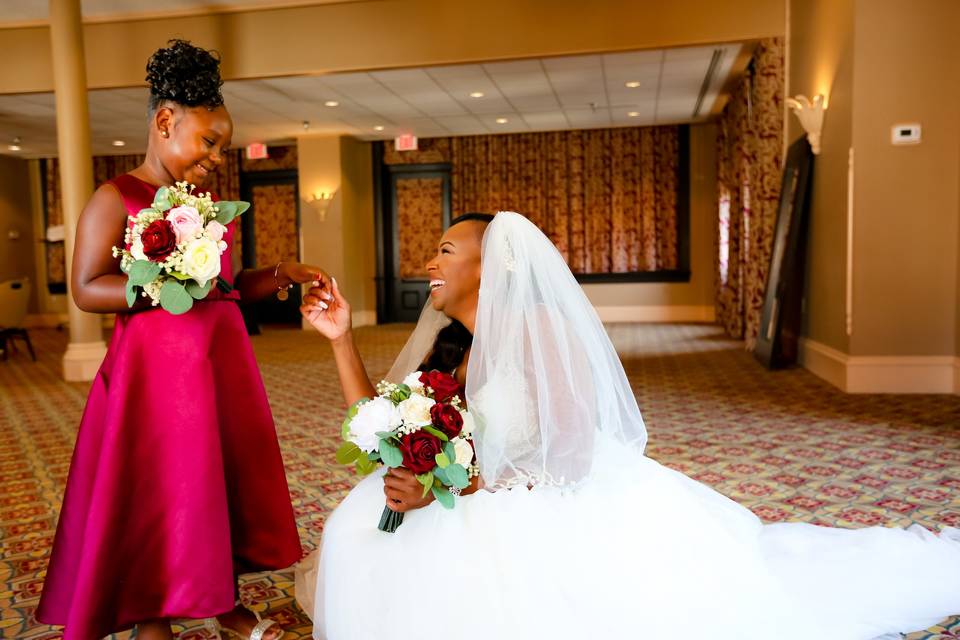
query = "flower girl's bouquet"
x=420 y=424
x=174 y=247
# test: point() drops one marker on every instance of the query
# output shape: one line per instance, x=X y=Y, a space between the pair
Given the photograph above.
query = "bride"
x=570 y=531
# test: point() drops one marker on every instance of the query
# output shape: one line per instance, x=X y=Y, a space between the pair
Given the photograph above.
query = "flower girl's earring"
x=257 y=634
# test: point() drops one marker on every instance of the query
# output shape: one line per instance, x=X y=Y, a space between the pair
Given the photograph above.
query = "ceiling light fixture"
x=331 y=103
x=476 y=94
x=119 y=143
x=502 y=121
x=306 y=125
x=16 y=144
x=633 y=114
x=633 y=84
x=379 y=127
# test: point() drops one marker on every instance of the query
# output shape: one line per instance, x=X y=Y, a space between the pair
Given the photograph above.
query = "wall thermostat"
x=905 y=134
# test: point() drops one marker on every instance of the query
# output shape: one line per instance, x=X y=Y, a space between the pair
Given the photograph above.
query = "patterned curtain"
x=749 y=162
x=225 y=183
x=606 y=197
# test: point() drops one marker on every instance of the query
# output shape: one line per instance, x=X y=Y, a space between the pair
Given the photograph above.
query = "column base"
x=82 y=360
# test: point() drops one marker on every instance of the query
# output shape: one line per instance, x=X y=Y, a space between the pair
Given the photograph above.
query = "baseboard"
x=657 y=313
x=58 y=320
x=881 y=374
x=45 y=320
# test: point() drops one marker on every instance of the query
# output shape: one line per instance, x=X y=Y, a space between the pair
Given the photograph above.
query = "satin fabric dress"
x=176 y=482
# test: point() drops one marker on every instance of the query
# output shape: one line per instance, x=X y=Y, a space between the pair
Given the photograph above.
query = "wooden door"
x=419 y=210
x=271 y=234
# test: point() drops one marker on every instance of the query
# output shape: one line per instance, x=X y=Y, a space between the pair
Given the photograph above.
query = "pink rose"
x=215 y=230
x=186 y=222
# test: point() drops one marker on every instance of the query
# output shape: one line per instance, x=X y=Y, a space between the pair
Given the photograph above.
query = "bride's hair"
x=454 y=339
x=185 y=74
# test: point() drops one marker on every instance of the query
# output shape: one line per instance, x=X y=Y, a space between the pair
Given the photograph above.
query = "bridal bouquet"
x=420 y=424
x=175 y=246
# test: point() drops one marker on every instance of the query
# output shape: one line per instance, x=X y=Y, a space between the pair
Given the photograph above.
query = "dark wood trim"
x=436 y=167
x=381 y=224
x=683 y=199
x=251 y=179
x=52 y=287
x=678 y=275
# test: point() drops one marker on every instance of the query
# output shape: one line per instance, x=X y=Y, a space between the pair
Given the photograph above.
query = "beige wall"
x=16 y=217
x=820 y=60
x=907 y=208
x=343 y=243
x=699 y=292
x=390 y=33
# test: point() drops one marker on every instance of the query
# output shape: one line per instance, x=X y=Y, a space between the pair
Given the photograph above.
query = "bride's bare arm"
x=329 y=313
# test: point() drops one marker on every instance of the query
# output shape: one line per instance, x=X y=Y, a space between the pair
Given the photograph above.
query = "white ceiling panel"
x=546 y=94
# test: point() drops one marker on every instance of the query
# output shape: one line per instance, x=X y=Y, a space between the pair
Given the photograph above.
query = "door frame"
x=249 y=181
x=388 y=240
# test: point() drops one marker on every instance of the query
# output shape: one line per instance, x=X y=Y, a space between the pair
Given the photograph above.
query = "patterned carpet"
x=785 y=444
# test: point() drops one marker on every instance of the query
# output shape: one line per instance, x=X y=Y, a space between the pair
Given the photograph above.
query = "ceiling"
x=24 y=12
x=547 y=94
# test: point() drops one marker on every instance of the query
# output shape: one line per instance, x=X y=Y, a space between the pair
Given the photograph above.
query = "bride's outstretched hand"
x=327 y=310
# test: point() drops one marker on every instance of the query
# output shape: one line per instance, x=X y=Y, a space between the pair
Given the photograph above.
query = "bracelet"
x=282 y=292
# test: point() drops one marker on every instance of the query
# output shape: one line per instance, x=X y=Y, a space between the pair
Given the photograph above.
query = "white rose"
x=377 y=415
x=468 y=424
x=415 y=410
x=201 y=260
x=463 y=451
x=215 y=230
x=413 y=381
x=136 y=249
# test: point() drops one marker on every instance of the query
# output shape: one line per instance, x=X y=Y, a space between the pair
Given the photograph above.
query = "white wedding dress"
x=584 y=537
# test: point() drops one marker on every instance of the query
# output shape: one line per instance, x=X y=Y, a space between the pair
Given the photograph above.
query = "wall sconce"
x=810 y=115
x=320 y=202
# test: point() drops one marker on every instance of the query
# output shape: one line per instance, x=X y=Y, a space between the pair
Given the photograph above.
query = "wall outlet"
x=905 y=134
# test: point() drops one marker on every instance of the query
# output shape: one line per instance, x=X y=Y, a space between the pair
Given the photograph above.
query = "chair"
x=14 y=296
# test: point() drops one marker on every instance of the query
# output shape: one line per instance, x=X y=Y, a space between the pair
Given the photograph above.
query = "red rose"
x=419 y=451
x=447 y=419
x=444 y=385
x=159 y=240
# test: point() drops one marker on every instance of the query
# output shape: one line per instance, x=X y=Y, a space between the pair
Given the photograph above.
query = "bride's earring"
x=164 y=133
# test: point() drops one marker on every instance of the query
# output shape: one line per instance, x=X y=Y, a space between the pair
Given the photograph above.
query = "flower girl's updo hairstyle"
x=454 y=339
x=184 y=74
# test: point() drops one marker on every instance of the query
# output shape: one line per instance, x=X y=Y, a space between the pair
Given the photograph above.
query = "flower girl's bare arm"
x=96 y=282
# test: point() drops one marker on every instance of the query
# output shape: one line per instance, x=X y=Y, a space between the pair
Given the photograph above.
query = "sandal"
x=258 y=632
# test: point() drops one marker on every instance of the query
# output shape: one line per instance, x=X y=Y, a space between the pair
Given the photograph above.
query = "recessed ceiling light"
x=633 y=84
x=331 y=103
x=476 y=94
x=502 y=121
x=15 y=146
x=633 y=114
x=379 y=127
x=119 y=143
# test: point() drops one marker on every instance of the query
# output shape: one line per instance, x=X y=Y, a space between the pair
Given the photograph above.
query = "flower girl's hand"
x=404 y=492
x=327 y=310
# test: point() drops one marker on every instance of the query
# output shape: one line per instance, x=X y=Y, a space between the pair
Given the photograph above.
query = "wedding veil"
x=543 y=381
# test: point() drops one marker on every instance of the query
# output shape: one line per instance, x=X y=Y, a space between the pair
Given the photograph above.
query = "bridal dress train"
x=580 y=536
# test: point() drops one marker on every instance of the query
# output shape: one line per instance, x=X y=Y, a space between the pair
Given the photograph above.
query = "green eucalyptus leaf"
x=442 y=460
x=196 y=291
x=436 y=432
x=182 y=277
x=458 y=476
x=226 y=211
x=174 y=298
x=143 y=211
x=241 y=206
x=365 y=466
x=426 y=480
x=131 y=293
x=440 y=475
x=444 y=497
x=347 y=453
x=345 y=429
x=390 y=454
x=374 y=456
x=451 y=452
x=143 y=272
x=163 y=199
